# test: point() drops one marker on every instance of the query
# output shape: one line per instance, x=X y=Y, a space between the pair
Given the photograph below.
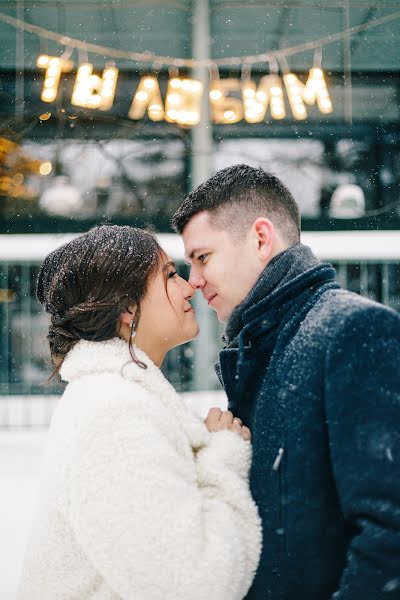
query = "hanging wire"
x=273 y=65
x=214 y=72
x=190 y=62
x=66 y=55
x=173 y=72
x=284 y=64
x=110 y=64
x=246 y=71
x=318 y=57
x=156 y=68
x=83 y=55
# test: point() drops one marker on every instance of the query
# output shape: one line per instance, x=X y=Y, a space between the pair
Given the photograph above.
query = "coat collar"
x=280 y=272
x=269 y=310
x=278 y=303
x=112 y=356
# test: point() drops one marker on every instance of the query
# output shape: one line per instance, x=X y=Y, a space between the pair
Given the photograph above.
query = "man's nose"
x=196 y=280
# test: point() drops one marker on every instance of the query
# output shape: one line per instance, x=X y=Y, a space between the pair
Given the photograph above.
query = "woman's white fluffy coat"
x=139 y=500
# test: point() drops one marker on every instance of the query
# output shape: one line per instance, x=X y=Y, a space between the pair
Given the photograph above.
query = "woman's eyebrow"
x=168 y=264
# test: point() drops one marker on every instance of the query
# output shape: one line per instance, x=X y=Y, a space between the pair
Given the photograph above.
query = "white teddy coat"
x=139 y=501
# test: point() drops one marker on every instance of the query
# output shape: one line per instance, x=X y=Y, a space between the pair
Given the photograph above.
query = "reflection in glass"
x=104 y=179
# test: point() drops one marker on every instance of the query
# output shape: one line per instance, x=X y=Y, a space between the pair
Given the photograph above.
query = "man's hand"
x=218 y=420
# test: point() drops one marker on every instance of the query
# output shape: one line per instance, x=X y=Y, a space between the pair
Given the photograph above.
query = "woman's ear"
x=127 y=316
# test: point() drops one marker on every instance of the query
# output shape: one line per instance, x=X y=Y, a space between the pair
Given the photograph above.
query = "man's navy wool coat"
x=316 y=377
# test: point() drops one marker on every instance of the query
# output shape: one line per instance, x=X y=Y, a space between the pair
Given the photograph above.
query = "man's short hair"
x=236 y=196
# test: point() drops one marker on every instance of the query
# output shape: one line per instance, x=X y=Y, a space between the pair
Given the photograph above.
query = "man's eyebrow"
x=196 y=251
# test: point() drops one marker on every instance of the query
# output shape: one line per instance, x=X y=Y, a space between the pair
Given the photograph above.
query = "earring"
x=133 y=332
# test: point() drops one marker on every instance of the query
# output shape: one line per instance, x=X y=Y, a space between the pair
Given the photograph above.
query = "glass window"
x=24 y=356
x=390 y=175
x=312 y=169
x=89 y=180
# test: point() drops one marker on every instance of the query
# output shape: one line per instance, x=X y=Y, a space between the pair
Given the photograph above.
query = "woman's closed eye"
x=172 y=274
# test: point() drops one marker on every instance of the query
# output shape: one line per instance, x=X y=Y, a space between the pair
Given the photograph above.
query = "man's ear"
x=264 y=234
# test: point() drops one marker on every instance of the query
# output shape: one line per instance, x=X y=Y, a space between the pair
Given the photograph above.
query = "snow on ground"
x=21 y=456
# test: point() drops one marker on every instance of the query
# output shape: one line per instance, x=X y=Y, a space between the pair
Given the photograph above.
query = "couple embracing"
x=291 y=494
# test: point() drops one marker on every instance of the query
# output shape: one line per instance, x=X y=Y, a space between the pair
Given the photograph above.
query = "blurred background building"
x=65 y=167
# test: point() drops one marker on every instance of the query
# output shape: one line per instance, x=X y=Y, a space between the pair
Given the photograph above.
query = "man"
x=314 y=372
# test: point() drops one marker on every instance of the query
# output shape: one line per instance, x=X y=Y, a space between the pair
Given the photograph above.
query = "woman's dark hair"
x=86 y=284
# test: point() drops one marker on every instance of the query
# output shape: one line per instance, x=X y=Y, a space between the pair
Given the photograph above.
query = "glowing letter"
x=54 y=67
x=147 y=97
x=225 y=109
x=92 y=91
x=182 y=104
x=256 y=100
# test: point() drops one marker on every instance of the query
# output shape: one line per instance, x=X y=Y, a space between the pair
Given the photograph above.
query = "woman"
x=140 y=500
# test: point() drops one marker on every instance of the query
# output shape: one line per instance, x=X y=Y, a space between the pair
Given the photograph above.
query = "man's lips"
x=210 y=298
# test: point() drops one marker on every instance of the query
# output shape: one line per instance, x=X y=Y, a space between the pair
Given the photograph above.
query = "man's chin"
x=221 y=316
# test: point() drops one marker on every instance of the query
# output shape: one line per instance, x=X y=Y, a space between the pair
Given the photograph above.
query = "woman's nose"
x=188 y=290
x=190 y=293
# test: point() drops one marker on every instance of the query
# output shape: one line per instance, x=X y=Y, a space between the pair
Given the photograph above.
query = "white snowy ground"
x=21 y=455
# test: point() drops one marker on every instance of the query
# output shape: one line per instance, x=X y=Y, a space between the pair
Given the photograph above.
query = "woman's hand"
x=218 y=420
